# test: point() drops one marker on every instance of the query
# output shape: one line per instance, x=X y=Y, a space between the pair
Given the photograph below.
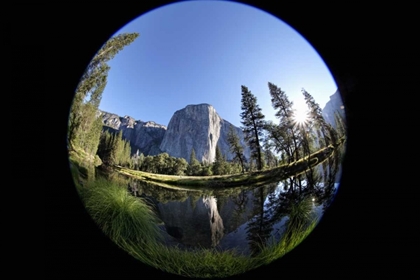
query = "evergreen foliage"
x=84 y=127
x=284 y=137
x=114 y=150
x=253 y=124
x=236 y=148
x=220 y=164
x=194 y=167
x=315 y=113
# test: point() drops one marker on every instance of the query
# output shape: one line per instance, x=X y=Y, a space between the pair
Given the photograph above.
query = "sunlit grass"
x=123 y=217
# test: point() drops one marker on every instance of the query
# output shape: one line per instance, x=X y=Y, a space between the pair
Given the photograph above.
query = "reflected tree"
x=259 y=228
x=326 y=193
x=240 y=201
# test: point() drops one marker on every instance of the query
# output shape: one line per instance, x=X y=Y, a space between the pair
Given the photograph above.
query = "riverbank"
x=223 y=181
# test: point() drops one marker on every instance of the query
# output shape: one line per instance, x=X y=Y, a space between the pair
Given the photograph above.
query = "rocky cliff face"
x=198 y=127
x=195 y=126
x=335 y=104
x=145 y=136
x=200 y=222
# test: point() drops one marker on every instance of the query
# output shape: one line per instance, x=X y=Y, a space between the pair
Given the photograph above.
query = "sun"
x=300 y=113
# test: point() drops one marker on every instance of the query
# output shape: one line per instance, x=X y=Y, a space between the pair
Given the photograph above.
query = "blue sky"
x=196 y=52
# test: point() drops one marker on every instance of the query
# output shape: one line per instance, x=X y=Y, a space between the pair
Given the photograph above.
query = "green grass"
x=255 y=179
x=293 y=236
x=123 y=217
x=132 y=225
x=198 y=263
x=209 y=263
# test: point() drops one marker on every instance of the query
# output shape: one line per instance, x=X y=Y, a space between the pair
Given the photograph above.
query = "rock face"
x=195 y=126
x=335 y=104
x=198 y=127
x=144 y=136
x=201 y=222
x=111 y=120
x=216 y=222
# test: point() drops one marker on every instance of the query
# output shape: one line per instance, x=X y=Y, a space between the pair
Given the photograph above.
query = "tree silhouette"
x=235 y=147
x=286 y=133
x=253 y=124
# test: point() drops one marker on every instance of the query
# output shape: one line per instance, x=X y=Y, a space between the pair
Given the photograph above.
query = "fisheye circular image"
x=206 y=138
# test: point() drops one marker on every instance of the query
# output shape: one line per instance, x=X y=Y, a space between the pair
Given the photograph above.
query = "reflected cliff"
x=216 y=222
x=243 y=219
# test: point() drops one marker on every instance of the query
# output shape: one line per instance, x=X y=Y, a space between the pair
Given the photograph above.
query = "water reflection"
x=243 y=219
x=216 y=222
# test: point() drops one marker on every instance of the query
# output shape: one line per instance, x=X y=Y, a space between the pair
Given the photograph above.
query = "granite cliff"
x=143 y=136
x=335 y=104
x=195 y=126
x=199 y=127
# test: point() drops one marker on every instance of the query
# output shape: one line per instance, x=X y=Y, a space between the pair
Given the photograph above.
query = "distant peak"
x=200 y=105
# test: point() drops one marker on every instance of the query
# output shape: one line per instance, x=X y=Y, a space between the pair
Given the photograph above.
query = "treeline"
x=113 y=149
x=288 y=137
x=165 y=164
x=85 y=124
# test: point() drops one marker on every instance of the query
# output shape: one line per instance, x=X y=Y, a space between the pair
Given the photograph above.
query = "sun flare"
x=300 y=112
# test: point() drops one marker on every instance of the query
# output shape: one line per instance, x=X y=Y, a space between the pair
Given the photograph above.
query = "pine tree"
x=192 y=157
x=103 y=147
x=127 y=154
x=270 y=159
x=117 y=148
x=90 y=88
x=194 y=166
x=82 y=112
x=235 y=147
x=140 y=161
x=219 y=167
x=315 y=113
x=286 y=133
x=253 y=124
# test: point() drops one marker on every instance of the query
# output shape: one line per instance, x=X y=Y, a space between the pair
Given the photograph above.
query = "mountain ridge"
x=196 y=120
x=196 y=126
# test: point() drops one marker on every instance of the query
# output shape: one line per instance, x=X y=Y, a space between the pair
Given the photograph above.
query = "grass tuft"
x=121 y=216
x=132 y=224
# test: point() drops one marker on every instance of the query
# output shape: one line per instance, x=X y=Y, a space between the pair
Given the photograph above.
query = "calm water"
x=238 y=218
